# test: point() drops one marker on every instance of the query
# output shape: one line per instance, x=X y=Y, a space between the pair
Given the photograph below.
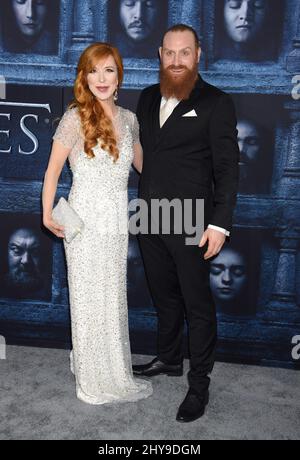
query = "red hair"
x=95 y=124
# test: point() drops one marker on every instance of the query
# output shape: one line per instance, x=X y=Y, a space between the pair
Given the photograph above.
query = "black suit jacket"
x=191 y=157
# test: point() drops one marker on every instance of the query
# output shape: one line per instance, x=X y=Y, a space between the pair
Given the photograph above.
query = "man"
x=24 y=278
x=189 y=137
x=139 y=20
x=254 y=174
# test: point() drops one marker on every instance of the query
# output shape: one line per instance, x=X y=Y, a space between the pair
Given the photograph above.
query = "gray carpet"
x=247 y=402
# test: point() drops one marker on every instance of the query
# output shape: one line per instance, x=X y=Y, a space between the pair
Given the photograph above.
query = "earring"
x=116 y=94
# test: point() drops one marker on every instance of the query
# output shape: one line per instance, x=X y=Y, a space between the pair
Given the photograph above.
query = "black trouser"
x=178 y=278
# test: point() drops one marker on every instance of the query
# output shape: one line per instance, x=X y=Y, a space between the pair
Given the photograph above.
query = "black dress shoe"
x=192 y=407
x=157 y=367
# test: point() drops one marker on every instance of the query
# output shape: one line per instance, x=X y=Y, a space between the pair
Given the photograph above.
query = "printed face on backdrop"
x=244 y=19
x=30 y=16
x=103 y=79
x=250 y=147
x=24 y=260
x=139 y=18
x=228 y=275
x=179 y=58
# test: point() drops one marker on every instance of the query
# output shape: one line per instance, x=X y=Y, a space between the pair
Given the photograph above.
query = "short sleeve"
x=135 y=130
x=67 y=131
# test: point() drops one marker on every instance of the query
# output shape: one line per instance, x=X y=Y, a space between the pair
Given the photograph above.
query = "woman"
x=234 y=276
x=30 y=26
x=246 y=29
x=101 y=141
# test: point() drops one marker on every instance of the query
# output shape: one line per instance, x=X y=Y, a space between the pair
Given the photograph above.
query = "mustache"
x=136 y=24
x=30 y=270
x=177 y=67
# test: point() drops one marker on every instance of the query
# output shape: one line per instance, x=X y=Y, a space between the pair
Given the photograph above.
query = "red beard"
x=180 y=86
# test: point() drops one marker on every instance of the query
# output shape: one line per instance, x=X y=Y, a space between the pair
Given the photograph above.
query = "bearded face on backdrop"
x=26 y=261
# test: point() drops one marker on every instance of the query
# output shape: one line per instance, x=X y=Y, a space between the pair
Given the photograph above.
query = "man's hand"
x=215 y=239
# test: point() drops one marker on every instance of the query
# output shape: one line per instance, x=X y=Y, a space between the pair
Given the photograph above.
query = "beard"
x=23 y=280
x=179 y=86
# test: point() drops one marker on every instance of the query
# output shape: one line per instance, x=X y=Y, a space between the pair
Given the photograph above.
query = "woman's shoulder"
x=127 y=114
x=72 y=111
x=71 y=115
x=69 y=123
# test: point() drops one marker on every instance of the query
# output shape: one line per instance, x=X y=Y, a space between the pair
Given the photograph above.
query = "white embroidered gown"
x=97 y=265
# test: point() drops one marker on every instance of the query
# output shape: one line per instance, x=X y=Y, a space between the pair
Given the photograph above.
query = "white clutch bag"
x=65 y=215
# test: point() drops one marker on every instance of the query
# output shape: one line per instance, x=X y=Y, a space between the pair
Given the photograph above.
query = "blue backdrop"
x=255 y=278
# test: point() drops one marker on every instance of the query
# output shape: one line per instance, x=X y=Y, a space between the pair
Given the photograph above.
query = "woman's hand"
x=57 y=159
x=54 y=227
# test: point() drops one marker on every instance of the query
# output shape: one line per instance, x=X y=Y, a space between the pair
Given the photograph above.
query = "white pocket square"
x=192 y=113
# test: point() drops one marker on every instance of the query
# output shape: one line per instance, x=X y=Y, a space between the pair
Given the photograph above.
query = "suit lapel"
x=182 y=108
x=154 y=111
